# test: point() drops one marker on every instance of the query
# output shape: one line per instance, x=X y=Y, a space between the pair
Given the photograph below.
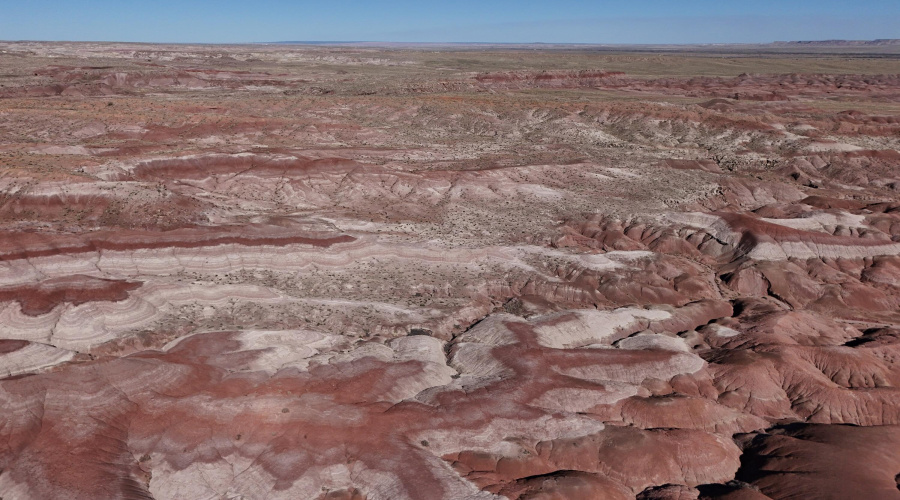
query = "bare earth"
x=299 y=272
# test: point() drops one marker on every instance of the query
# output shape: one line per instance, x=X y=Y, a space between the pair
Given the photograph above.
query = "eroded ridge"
x=354 y=273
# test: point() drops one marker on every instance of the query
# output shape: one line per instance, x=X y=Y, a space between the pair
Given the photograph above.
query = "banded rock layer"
x=349 y=273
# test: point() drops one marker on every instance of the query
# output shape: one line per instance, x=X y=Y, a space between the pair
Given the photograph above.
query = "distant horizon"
x=650 y=22
x=831 y=41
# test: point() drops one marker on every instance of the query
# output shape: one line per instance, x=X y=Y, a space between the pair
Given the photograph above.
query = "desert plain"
x=449 y=272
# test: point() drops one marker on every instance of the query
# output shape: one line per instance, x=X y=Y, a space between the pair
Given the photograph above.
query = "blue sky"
x=562 y=21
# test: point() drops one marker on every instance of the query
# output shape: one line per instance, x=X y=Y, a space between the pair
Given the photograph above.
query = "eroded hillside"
x=355 y=273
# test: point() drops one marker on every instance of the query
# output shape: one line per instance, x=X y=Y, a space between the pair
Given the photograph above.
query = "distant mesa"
x=843 y=43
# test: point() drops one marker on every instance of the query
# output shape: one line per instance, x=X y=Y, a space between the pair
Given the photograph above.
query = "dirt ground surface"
x=428 y=272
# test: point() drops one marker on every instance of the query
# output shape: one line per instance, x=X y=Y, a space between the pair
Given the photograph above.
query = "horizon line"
x=835 y=41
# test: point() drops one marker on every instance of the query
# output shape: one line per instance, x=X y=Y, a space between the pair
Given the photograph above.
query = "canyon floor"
x=363 y=273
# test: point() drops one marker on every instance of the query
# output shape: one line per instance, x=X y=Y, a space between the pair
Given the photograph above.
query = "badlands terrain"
x=348 y=273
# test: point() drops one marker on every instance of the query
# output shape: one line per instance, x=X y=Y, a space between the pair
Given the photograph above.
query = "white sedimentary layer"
x=492 y=331
x=146 y=191
x=832 y=146
x=713 y=224
x=229 y=257
x=591 y=326
x=576 y=400
x=87 y=325
x=723 y=331
x=32 y=357
x=301 y=350
x=617 y=379
x=596 y=262
x=476 y=360
x=770 y=250
x=427 y=351
x=491 y=438
x=643 y=341
x=812 y=250
x=637 y=370
x=242 y=477
x=820 y=221
x=166 y=288
x=62 y=150
x=273 y=349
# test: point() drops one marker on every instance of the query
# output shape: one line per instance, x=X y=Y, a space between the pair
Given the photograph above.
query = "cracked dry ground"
x=268 y=272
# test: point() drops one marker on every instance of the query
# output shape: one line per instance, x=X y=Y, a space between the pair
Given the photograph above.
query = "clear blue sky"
x=572 y=21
